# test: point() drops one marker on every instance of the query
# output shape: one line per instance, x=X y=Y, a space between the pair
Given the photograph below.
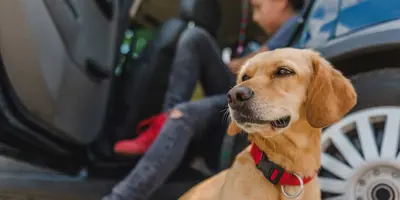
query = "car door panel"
x=330 y=23
x=49 y=56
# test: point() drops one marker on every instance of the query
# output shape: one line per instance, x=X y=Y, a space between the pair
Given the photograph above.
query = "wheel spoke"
x=391 y=136
x=341 y=168
x=347 y=149
x=332 y=185
x=367 y=139
x=336 y=167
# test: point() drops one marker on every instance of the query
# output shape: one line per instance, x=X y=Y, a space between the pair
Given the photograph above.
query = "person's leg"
x=166 y=153
x=197 y=57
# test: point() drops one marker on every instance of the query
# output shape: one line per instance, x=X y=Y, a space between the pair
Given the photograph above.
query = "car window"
x=358 y=14
x=320 y=25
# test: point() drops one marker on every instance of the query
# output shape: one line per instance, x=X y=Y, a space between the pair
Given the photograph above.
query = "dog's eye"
x=245 y=77
x=282 y=71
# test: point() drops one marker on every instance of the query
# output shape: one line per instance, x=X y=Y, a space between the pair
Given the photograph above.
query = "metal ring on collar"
x=298 y=193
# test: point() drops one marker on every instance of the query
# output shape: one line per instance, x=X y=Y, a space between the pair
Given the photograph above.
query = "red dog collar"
x=273 y=172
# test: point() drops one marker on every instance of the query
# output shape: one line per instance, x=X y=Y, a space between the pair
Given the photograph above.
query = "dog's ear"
x=233 y=128
x=330 y=95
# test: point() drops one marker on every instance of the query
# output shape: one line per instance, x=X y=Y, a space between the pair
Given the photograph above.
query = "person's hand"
x=235 y=65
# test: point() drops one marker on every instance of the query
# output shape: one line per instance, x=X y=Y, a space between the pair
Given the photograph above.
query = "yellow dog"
x=282 y=99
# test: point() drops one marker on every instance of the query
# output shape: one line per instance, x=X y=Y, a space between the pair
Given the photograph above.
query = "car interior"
x=64 y=97
x=64 y=104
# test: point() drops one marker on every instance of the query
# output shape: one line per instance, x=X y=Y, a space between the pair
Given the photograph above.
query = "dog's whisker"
x=226 y=116
x=224 y=110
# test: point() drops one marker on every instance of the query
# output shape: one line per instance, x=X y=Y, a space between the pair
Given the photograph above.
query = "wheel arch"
x=367 y=60
x=365 y=50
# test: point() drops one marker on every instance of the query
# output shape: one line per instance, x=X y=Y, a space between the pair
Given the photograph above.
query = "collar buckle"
x=271 y=171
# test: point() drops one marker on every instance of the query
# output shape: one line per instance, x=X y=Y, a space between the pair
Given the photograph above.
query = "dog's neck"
x=297 y=149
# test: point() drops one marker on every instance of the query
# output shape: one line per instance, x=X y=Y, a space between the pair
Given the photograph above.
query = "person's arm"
x=237 y=63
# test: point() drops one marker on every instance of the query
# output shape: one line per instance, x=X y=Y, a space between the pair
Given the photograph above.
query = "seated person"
x=169 y=133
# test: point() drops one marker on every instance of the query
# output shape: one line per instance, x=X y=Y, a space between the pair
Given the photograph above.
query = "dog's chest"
x=245 y=181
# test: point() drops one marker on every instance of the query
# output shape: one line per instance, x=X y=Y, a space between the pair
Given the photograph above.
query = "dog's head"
x=279 y=88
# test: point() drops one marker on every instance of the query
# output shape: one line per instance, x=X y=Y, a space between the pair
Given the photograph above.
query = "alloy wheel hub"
x=378 y=183
x=360 y=156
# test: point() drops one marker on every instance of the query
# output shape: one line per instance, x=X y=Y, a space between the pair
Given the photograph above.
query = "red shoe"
x=139 y=145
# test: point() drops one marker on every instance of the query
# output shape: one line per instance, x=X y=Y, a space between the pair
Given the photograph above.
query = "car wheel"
x=360 y=153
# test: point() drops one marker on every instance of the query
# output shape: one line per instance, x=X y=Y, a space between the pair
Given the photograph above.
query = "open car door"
x=57 y=60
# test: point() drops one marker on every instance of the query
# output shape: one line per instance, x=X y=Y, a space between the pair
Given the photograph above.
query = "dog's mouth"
x=282 y=122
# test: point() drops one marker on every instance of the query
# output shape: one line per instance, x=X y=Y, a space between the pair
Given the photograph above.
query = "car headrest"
x=204 y=13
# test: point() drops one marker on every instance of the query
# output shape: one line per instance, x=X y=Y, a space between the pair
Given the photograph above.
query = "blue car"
x=360 y=154
x=73 y=81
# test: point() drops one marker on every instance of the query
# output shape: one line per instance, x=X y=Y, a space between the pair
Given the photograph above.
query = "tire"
x=385 y=82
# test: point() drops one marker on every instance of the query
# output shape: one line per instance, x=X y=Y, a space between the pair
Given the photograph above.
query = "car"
x=71 y=74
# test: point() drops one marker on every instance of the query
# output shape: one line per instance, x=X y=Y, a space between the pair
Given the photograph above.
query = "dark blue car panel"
x=326 y=21
x=357 y=14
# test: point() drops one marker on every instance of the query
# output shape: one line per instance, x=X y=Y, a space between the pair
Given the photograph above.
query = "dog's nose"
x=237 y=95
